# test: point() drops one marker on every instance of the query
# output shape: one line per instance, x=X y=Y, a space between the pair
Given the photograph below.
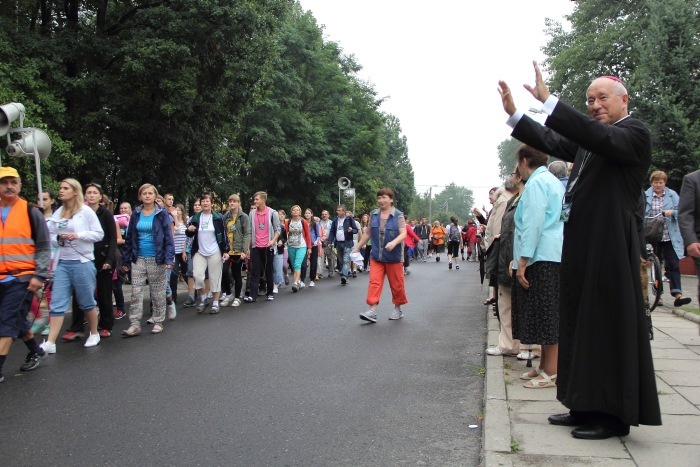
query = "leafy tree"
x=653 y=47
x=507 y=157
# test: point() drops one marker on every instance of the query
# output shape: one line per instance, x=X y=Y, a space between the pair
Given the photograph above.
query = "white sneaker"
x=396 y=314
x=301 y=284
x=275 y=289
x=236 y=302
x=227 y=300
x=312 y=284
x=50 y=347
x=172 y=311
x=93 y=340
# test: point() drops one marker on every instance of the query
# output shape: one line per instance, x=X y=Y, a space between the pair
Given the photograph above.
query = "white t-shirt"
x=206 y=238
x=339 y=232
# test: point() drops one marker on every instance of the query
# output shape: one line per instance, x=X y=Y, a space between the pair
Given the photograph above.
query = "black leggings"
x=232 y=267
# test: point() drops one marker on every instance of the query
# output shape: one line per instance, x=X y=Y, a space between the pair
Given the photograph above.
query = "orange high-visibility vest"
x=17 y=246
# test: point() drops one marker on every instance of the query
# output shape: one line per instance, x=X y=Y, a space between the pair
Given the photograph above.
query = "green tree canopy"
x=654 y=47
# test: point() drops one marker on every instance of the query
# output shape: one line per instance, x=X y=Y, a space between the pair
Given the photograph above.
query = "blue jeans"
x=343 y=250
x=73 y=276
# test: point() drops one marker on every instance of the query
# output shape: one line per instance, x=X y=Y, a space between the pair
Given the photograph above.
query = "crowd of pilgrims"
x=207 y=253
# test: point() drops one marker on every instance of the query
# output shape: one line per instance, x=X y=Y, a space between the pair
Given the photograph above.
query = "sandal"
x=526 y=376
x=157 y=328
x=546 y=382
x=133 y=331
x=490 y=301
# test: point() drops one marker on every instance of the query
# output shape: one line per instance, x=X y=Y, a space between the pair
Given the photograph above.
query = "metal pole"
x=430 y=206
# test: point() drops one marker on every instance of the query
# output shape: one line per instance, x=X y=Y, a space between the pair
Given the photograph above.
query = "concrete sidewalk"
x=516 y=431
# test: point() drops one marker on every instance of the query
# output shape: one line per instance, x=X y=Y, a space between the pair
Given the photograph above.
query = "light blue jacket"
x=670 y=202
x=539 y=233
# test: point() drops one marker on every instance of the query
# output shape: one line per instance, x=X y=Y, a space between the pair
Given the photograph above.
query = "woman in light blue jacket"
x=537 y=245
x=661 y=200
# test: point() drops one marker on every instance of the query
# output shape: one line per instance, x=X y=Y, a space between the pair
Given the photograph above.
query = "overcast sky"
x=438 y=64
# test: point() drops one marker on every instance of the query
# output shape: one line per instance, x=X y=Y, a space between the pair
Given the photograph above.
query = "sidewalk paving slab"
x=516 y=431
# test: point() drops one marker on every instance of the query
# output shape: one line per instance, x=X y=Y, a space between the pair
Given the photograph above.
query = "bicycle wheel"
x=655 y=288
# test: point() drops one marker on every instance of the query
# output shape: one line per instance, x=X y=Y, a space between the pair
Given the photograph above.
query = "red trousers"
x=394 y=272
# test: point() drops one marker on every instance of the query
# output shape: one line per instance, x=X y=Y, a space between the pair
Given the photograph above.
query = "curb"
x=496 y=439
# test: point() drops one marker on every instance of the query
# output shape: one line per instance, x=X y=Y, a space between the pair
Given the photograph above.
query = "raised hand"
x=506 y=98
x=539 y=91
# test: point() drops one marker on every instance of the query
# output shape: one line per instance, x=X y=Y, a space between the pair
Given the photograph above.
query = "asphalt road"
x=298 y=381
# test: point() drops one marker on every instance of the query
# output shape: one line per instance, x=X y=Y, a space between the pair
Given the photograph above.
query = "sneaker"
x=189 y=303
x=172 y=311
x=32 y=361
x=249 y=299
x=301 y=285
x=295 y=287
x=226 y=301
x=105 y=333
x=354 y=274
x=343 y=281
x=457 y=266
x=396 y=314
x=119 y=314
x=48 y=347
x=523 y=355
x=270 y=298
x=312 y=284
x=92 y=341
x=406 y=272
x=449 y=266
x=437 y=259
x=369 y=315
x=236 y=302
x=200 y=308
x=275 y=288
x=71 y=336
x=45 y=332
x=286 y=279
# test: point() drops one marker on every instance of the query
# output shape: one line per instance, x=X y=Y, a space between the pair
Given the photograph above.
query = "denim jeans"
x=72 y=276
x=343 y=250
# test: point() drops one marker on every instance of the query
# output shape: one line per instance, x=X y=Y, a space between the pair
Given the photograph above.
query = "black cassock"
x=605 y=362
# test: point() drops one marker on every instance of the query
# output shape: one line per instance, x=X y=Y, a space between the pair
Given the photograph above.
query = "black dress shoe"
x=681 y=301
x=568 y=419
x=600 y=431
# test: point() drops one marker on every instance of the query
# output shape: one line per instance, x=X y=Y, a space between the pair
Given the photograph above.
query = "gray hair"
x=558 y=169
x=509 y=184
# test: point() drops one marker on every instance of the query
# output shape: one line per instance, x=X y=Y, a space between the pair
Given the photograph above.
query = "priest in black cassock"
x=606 y=374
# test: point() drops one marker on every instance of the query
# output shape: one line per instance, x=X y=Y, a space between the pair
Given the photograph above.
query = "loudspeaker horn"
x=343 y=183
x=8 y=114
x=24 y=147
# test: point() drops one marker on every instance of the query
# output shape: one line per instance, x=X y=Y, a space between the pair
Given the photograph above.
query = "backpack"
x=455 y=235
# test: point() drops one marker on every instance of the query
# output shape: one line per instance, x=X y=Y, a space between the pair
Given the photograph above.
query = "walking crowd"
x=79 y=254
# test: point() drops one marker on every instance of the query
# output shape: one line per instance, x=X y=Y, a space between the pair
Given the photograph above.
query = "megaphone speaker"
x=8 y=114
x=25 y=147
x=343 y=183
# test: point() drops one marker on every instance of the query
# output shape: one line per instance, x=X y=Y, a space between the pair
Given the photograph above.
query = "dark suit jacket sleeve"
x=688 y=215
x=625 y=142
x=544 y=139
